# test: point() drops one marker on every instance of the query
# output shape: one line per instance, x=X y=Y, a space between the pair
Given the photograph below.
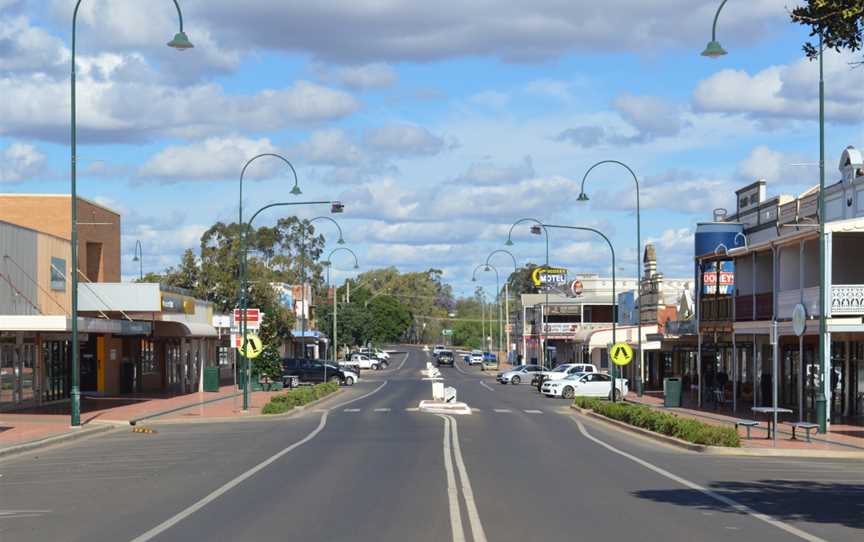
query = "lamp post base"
x=822 y=412
x=76 y=407
x=639 y=387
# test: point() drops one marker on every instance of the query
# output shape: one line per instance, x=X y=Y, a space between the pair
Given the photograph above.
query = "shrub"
x=284 y=402
x=664 y=423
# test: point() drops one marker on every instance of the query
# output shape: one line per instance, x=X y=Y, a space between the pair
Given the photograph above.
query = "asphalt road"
x=365 y=465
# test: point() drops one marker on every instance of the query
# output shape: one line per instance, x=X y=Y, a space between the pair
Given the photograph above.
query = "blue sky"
x=436 y=125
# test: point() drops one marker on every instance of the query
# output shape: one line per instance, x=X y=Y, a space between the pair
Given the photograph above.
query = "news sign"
x=718 y=280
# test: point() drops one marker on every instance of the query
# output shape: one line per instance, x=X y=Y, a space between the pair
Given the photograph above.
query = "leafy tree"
x=186 y=274
x=389 y=320
x=268 y=364
x=838 y=21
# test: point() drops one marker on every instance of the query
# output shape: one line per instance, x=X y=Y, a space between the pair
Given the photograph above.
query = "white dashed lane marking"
x=382 y=410
x=351 y=410
x=502 y=410
x=533 y=412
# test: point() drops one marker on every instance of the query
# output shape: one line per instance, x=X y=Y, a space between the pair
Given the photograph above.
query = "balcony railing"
x=716 y=309
x=744 y=307
x=847 y=299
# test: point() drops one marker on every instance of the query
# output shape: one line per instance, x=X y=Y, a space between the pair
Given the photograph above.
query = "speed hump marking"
x=252 y=347
x=622 y=354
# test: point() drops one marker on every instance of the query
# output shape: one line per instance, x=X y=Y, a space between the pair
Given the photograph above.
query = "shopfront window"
x=149 y=364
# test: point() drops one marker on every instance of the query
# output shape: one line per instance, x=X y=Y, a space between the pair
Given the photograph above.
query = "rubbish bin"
x=211 y=378
x=672 y=392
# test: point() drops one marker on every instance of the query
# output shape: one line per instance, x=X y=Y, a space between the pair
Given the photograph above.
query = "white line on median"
x=740 y=508
x=452 y=489
x=188 y=511
x=485 y=385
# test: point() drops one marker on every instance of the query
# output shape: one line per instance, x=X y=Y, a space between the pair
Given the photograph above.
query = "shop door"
x=8 y=378
x=55 y=356
x=89 y=366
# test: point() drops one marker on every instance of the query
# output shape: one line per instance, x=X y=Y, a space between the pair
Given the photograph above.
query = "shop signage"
x=576 y=288
x=253 y=318
x=724 y=277
x=549 y=276
x=177 y=304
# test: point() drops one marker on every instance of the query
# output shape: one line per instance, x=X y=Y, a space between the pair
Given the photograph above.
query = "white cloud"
x=778 y=168
x=486 y=173
x=651 y=116
x=787 y=92
x=25 y=48
x=376 y=75
x=492 y=99
x=213 y=158
x=20 y=162
x=330 y=146
x=404 y=140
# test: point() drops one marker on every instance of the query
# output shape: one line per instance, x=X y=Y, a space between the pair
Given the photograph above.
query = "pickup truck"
x=313 y=370
x=562 y=371
x=361 y=361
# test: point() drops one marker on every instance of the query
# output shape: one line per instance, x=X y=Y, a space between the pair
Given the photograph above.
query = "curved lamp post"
x=179 y=42
x=329 y=263
x=614 y=296
x=139 y=257
x=335 y=207
x=506 y=295
x=715 y=50
x=486 y=268
x=509 y=243
x=640 y=374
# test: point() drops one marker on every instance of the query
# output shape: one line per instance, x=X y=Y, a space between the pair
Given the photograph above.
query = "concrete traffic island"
x=443 y=401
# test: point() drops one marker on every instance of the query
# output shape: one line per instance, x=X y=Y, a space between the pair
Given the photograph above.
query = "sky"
x=436 y=124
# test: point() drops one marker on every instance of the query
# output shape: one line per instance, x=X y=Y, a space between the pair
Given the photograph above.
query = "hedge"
x=298 y=397
x=663 y=422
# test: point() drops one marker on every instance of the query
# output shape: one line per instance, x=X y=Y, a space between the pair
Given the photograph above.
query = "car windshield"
x=518 y=368
x=560 y=369
x=575 y=376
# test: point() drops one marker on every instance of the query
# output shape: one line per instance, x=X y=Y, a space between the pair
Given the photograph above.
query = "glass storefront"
x=18 y=382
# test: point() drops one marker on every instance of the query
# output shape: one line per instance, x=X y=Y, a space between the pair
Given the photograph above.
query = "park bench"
x=749 y=424
x=806 y=426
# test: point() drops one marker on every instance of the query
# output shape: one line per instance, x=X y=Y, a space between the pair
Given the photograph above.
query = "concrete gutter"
x=720 y=450
x=89 y=430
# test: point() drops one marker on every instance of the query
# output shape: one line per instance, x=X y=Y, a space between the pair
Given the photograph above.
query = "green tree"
x=838 y=21
x=389 y=320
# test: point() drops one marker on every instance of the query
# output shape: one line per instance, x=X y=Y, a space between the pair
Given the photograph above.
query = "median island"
x=296 y=397
x=663 y=423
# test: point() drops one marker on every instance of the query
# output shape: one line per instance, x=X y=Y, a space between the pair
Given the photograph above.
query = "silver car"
x=519 y=374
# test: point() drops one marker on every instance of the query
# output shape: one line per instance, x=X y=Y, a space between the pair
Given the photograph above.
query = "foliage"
x=284 y=402
x=665 y=423
x=839 y=22
x=268 y=364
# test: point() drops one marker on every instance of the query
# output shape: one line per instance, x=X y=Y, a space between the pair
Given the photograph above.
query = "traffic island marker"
x=140 y=429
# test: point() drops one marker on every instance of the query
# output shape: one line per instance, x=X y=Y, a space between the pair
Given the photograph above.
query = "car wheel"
x=515 y=380
x=376 y=367
x=349 y=381
x=333 y=379
x=568 y=393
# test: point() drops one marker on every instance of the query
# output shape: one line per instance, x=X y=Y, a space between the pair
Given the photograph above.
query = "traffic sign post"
x=251 y=348
x=621 y=354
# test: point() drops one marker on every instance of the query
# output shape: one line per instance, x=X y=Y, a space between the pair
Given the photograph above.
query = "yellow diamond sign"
x=252 y=347
x=621 y=354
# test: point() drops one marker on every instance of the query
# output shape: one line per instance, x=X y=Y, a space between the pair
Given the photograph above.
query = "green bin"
x=672 y=392
x=211 y=378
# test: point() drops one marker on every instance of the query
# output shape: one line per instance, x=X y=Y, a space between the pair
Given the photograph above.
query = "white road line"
x=502 y=410
x=382 y=410
x=477 y=531
x=533 y=412
x=403 y=362
x=452 y=489
x=351 y=410
x=188 y=511
x=412 y=409
x=485 y=385
x=740 y=508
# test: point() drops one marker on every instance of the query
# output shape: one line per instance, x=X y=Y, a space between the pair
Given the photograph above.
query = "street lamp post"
x=537 y=229
x=640 y=374
x=509 y=243
x=335 y=207
x=506 y=294
x=486 y=268
x=329 y=264
x=714 y=50
x=139 y=257
x=179 y=42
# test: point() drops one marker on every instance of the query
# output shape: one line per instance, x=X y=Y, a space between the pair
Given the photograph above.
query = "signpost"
x=621 y=354
x=253 y=318
x=252 y=347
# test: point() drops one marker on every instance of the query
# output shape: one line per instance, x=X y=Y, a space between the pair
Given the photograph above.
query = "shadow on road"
x=793 y=500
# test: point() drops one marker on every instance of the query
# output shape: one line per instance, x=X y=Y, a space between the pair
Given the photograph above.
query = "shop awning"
x=61 y=324
x=184 y=329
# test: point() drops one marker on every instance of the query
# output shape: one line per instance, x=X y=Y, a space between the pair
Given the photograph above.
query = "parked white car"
x=438 y=349
x=520 y=373
x=561 y=372
x=475 y=358
x=585 y=384
x=361 y=361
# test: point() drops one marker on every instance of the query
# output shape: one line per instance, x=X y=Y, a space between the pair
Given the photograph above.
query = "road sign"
x=253 y=318
x=253 y=346
x=576 y=288
x=621 y=354
x=447 y=332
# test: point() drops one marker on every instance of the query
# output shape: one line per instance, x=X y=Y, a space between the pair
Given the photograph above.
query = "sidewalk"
x=841 y=438
x=24 y=426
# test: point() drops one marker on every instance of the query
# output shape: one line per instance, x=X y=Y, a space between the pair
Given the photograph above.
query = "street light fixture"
x=244 y=286
x=714 y=50
x=536 y=229
x=640 y=373
x=486 y=268
x=614 y=296
x=507 y=297
x=140 y=259
x=180 y=42
x=329 y=263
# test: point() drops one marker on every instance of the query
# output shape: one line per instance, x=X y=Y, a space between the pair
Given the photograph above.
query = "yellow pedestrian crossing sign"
x=253 y=347
x=621 y=353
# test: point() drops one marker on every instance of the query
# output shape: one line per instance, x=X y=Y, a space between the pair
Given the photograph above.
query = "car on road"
x=587 y=385
x=438 y=349
x=445 y=357
x=490 y=362
x=518 y=374
x=562 y=371
x=475 y=358
x=377 y=353
x=314 y=371
x=360 y=361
